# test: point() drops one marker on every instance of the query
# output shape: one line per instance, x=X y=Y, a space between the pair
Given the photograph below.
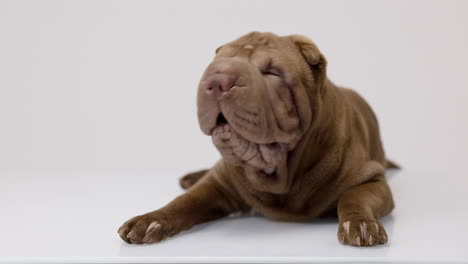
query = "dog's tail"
x=392 y=165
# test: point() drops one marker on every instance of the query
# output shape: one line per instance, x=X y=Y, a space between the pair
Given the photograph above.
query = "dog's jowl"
x=294 y=146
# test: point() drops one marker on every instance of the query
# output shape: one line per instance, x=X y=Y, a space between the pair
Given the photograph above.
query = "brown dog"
x=294 y=146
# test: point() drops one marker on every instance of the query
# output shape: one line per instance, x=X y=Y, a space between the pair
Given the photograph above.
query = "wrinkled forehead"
x=252 y=43
x=257 y=47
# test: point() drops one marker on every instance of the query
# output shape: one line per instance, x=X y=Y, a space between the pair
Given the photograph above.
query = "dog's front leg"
x=358 y=211
x=203 y=202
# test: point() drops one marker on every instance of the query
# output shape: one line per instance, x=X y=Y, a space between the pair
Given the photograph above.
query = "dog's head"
x=256 y=101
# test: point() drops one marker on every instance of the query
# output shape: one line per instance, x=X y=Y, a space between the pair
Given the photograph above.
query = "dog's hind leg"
x=190 y=179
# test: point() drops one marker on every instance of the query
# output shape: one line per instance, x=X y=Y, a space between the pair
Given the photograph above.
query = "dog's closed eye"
x=272 y=71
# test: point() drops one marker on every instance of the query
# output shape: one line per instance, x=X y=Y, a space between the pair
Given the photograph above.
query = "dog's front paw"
x=147 y=229
x=361 y=233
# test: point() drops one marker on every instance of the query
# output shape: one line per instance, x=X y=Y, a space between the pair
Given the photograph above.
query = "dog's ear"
x=312 y=55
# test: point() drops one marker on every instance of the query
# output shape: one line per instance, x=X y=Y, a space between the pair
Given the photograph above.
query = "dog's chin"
x=266 y=176
x=259 y=160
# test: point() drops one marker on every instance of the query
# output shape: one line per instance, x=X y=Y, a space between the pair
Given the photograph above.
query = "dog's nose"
x=218 y=84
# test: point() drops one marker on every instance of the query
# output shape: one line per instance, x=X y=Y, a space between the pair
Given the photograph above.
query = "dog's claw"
x=148 y=229
x=361 y=233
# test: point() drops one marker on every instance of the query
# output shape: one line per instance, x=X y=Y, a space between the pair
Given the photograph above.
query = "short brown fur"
x=335 y=162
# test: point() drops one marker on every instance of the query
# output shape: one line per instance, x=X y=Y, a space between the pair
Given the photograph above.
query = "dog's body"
x=294 y=146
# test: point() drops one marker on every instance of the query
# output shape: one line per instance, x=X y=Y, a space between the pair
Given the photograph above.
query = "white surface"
x=97 y=111
x=74 y=217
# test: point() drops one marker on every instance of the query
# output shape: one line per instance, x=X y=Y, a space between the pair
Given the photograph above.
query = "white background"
x=104 y=91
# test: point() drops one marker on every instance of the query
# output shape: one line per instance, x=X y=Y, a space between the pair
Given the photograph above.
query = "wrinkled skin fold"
x=237 y=150
x=293 y=146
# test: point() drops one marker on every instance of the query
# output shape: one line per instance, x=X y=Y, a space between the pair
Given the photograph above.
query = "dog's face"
x=255 y=98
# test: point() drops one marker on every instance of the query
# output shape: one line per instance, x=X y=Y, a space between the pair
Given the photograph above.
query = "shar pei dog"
x=294 y=146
